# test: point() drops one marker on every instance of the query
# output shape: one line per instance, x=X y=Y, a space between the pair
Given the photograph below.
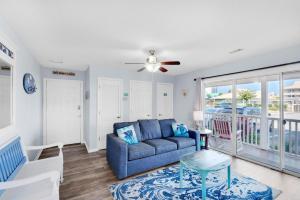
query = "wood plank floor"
x=88 y=176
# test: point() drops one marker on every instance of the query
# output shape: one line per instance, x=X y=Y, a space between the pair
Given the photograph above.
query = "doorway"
x=140 y=100
x=164 y=100
x=110 y=93
x=63 y=111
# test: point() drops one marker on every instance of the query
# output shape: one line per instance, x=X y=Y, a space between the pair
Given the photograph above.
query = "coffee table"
x=203 y=162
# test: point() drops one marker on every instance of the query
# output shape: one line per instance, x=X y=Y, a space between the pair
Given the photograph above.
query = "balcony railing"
x=251 y=131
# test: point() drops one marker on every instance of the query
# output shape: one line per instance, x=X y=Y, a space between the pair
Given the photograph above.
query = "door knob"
x=118 y=117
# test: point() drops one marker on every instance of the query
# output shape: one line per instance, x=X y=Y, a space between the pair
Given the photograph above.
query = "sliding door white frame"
x=224 y=80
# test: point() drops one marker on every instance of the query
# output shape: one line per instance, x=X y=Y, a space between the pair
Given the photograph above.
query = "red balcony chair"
x=222 y=128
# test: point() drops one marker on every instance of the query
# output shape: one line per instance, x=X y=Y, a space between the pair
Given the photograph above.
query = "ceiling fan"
x=152 y=65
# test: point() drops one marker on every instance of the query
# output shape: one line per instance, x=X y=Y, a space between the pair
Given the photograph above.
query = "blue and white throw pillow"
x=180 y=130
x=128 y=134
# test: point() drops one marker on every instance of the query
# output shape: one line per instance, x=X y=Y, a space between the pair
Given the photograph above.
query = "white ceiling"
x=107 y=33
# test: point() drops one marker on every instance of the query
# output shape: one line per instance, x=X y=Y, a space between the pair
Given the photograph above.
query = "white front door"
x=140 y=100
x=62 y=111
x=164 y=100
x=109 y=107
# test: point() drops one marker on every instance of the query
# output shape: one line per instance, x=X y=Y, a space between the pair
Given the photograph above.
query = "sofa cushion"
x=140 y=150
x=124 y=124
x=162 y=145
x=182 y=142
x=166 y=127
x=150 y=129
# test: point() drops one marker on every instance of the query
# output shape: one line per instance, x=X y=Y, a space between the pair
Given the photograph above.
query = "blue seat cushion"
x=182 y=142
x=124 y=124
x=162 y=145
x=150 y=129
x=166 y=127
x=140 y=150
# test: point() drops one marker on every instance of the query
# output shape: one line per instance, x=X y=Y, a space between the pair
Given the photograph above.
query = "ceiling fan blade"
x=162 y=69
x=132 y=63
x=170 y=63
x=142 y=69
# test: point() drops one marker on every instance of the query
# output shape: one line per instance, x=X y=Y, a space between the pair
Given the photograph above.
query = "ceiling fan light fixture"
x=152 y=67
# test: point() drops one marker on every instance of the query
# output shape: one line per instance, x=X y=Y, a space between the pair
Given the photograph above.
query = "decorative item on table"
x=29 y=83
x=198 y=119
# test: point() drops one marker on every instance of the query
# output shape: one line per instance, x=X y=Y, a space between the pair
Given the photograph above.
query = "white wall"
x=28 y=108
x=183 y=106
x=94 y=73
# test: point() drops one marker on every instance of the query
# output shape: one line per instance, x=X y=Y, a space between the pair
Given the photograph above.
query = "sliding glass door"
x=249 y=117
x=256 y=118
x=273 y=120
x=291 y=116
x=218 y=115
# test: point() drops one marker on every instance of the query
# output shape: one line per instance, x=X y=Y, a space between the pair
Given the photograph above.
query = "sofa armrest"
x=196 y=135
x=117 y=155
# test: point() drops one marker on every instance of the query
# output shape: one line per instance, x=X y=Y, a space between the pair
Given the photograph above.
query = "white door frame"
x=45 y=106
x=131 y=83
x=8 y=132
x=98 y=106
x=170 y=84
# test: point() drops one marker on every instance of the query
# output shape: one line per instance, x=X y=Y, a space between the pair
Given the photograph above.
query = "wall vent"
x=63 y=73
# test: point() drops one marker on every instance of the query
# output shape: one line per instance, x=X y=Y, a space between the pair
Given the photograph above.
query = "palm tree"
x=246 y=95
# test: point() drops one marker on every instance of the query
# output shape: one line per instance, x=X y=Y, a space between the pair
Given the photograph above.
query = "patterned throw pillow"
x=180 y=130
x=128 y=134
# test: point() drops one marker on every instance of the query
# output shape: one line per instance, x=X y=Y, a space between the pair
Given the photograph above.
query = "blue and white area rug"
x=164 y=184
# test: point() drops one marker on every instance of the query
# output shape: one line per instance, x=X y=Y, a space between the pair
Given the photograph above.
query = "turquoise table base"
x=204 y=174
x=203 y=162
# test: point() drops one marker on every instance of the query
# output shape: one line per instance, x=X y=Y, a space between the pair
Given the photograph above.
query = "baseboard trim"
x=88 y=149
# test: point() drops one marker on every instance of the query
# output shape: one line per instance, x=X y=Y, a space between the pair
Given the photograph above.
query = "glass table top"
x=206 y=160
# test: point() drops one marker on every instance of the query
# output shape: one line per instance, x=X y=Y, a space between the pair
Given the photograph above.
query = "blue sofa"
x=157 y=147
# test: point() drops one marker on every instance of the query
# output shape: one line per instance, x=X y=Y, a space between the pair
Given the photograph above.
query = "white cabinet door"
x=109 y=107
x=140 y=100
x=63 y=111
x=164 y=100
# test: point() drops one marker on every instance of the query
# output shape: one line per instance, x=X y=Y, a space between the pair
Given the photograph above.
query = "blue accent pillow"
x=128 y=134
x=180 y=130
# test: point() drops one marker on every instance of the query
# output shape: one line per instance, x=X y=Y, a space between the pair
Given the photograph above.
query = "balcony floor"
x=269 y=157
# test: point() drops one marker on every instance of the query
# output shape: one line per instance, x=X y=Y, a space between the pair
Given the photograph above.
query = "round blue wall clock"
x=29 y=83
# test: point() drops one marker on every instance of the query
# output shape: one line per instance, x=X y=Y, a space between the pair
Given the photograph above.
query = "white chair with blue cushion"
x=21 y=179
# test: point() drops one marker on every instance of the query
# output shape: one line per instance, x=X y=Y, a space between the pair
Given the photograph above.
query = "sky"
x=273 y=86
